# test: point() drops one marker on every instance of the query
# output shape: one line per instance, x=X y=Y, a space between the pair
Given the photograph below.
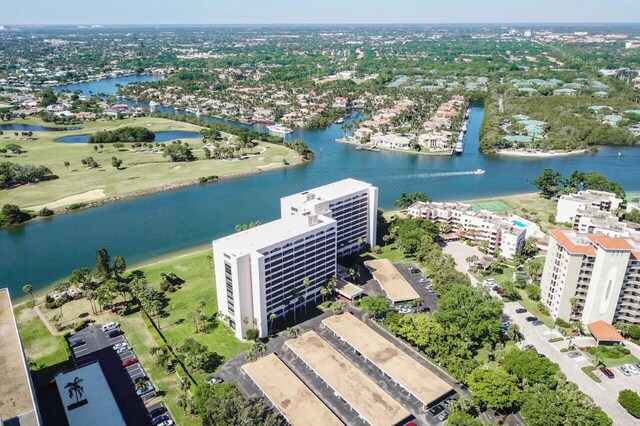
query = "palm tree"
x=306 y=282
x=295 y=294
x=209 y=260
x=75 y=388
x=324 y=291
x=272 y=318
x=28 y=289
x=471 y=260
x=353 y=274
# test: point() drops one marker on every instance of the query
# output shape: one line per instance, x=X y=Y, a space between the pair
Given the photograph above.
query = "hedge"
x=630 y=400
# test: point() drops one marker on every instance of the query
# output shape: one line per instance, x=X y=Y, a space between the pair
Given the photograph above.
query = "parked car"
x=495 y=288
x=447 y=401
x=632 y=368
x=144 y=390
x=637 y=366
x=529 y=348
x=119 y=345
x=499 y=291
x=624 y=371
x=129 y=362
x=76 y=343
x=434 y=411
x=123 y=349
x=521 y=311
x=157 y=411
x=110 y=326
x=443 y=416
x=607 y=372
x=531 y=319
x=115 y=333
x=573 y=354
x=411 y=423
x=166 y=423
x=160 y=420
x=213 y=379
x=537 y=322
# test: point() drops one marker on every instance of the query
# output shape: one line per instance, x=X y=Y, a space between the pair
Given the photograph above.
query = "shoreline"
x=366 y=147
x=539 y=154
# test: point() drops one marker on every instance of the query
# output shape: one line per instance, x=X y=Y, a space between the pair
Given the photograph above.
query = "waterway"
x=161 y=223
x=162 y=136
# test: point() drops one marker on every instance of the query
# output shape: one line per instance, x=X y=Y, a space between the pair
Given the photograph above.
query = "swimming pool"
x=519 y=224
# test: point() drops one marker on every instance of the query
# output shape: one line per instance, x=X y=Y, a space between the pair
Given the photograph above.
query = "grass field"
x=141 y=169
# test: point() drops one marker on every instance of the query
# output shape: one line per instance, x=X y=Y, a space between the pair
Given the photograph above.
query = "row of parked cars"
x=441 y=411
x=628 y=370
x=493 y=285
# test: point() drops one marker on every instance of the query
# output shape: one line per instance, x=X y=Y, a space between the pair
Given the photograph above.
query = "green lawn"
x=391 y=252
x=199 y=285
x=531 y=306
x=504 y=277
x=44 y=351
x=614 y=362
x=142 y=169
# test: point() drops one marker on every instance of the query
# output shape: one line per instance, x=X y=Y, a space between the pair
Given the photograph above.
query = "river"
x=161 y=223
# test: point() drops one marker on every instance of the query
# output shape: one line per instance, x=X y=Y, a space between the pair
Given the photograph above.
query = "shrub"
x=205 y=179
x=630 y=400
x=612 y=352
x=76 y=206
x=533 y=291
x=542 y=309
x=562 y=323
x=44 y=212
x=252 y=334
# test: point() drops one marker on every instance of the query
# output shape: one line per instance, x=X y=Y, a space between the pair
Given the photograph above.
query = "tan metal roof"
x=368 y=399
x=286 y=391
x=404 y=370
x=391 y=281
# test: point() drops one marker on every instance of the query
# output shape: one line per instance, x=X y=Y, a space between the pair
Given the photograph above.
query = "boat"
x=278 y=128
x=478 y=172
x=339 y=120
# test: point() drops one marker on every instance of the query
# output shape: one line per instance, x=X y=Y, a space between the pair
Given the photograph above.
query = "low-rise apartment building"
x=570 y=204
x=592 y=277
x=263 y=270
x=592 y=220
x=502 y=236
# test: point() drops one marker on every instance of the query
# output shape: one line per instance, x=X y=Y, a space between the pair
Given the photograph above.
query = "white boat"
x=278 y=128
x=340 y=120
x=478 y=172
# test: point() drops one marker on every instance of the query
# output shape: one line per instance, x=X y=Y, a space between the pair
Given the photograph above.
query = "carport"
x=604 y=333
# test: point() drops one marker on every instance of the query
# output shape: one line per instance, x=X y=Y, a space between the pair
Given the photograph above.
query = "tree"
x=15 y=148
x=497 y=388
x=530 y=248
x=229 y=407
x=11 y=214
x=198 y=357
x=272 y=318
x=306 y=283
x=547 y=182
x=338 y=307
x=376 y=306
x=461 y=418
x=178 y=153
x=513 y=333
x=472 y=260
x=116 y=163
x=28 y=289
x=293 y=332
x=66 y=165
x=530 y=368
x=406 y=200
x=75 y=388
x=353 y=274
x=103 y=264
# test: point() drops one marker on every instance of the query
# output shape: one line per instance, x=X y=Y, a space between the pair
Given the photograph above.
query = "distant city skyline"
x=202 y=12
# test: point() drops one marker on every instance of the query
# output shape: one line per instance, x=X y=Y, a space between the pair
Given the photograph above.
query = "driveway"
x=460 y=251
x=605 y=394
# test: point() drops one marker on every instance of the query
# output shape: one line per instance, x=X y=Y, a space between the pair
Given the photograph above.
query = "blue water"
x=108 y=86
x=18 y=127
x=519 y=224
x=160 y=137
x=153 y=225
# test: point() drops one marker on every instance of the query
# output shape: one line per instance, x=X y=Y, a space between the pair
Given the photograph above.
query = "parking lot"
x=605 y=393
x=122 y=370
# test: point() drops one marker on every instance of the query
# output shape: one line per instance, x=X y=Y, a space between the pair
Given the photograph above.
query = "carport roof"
x=603 y=331
x=391 y=281
x=404 y=370
x=287 y=392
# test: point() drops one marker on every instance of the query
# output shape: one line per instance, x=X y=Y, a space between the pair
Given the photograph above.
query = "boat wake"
x=444 y=174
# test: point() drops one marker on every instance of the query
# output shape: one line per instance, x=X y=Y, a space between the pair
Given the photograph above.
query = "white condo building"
x=570 y=204
x=261 y=271
x=592 y=277
x=505 y=236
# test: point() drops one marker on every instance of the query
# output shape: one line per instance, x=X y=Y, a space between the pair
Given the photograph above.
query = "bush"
x=611 y=352
x=630 y=400
x=542 y=309
x=252 y=334
x=562 y=323
x=533 y=291
x=205 y=179
x=44 y=212
x=76 y=206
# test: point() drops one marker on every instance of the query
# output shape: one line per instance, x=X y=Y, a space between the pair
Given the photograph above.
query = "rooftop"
x=370 y=401
x=589 y=195
x=333 y=190
x=604 y=331
x=101 y=408
x=403 y=369
x=391 y=281
x=288 y=393
x=611 y=243
x=573 y=242
x=271 y=233
x=16 y=396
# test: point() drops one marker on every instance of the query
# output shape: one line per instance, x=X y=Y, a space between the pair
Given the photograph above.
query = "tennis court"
x=495 y=206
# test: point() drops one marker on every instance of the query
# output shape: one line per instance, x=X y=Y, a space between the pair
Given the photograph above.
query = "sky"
x=166 y=12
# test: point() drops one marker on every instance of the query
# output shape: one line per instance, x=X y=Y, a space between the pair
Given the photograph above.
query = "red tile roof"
x=610 y=243
x=604 y=331
x=570 y=246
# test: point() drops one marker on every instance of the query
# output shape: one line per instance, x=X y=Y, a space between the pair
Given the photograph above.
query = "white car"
x=120 y=345
x=110 y=326
x=632 y=369
x=624 y=371
x=123 y=349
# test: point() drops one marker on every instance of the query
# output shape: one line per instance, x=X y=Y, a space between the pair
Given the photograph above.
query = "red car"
x=607 y=372
x=129 y=362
